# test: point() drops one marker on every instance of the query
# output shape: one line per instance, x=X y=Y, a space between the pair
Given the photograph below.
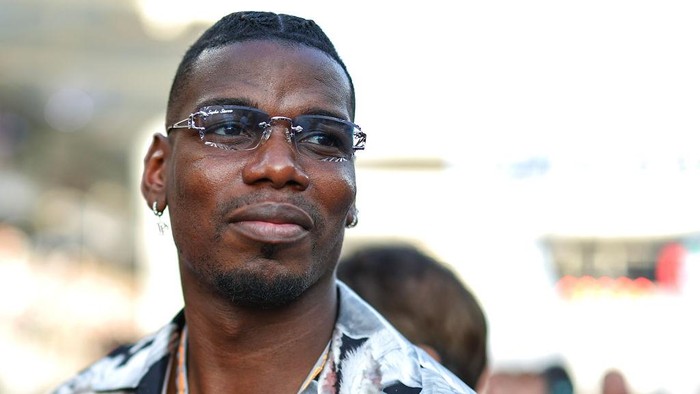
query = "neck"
x=257 y=350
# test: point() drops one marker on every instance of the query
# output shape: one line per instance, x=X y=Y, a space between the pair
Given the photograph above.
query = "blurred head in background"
x=426 y=302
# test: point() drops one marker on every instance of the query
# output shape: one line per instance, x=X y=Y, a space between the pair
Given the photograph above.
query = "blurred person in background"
x=257 y=171
x=558 y=380
x=614 y=383
x=516 y=383
x=554 y=379
x=426 y=302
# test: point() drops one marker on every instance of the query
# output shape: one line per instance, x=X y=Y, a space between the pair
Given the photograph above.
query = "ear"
x=154 y=178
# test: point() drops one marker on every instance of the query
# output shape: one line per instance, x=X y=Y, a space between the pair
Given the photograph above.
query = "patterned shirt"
x=367 y=355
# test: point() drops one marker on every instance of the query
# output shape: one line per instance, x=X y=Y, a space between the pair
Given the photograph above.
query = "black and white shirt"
x=367 y=355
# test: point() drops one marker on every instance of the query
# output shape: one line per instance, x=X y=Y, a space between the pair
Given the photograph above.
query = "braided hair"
x=256 y=25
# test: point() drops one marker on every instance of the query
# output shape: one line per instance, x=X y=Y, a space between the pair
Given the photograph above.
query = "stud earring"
x=162 y=226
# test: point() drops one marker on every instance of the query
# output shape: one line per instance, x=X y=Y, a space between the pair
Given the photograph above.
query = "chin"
x=253 y=289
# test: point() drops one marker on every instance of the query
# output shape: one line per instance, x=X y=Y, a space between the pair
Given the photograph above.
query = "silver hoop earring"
x=162 y=226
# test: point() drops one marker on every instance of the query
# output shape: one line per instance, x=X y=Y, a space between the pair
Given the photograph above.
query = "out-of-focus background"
x=547 y=151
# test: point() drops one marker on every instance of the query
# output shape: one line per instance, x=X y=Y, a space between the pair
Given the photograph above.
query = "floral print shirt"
x=367 y=355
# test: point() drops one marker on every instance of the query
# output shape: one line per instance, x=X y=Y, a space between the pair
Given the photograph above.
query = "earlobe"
x=154 y=178
x=351 y=219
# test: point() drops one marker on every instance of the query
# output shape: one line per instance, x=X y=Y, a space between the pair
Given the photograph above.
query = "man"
x=257 y=170
x=426 y=302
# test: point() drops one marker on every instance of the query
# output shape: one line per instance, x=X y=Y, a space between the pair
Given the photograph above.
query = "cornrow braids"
x=256 y=25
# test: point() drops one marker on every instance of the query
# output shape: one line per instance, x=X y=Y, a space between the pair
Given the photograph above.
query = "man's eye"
x=321 y=138
x=226 y=129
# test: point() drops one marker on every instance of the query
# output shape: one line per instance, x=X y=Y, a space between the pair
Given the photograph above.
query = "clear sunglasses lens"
x=232 y=128
x=242 y=128
x=324 y=137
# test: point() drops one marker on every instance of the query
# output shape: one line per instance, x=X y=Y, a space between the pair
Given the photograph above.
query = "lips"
x=271 y=222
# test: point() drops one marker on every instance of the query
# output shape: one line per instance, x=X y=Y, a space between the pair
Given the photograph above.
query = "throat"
x=180 y=383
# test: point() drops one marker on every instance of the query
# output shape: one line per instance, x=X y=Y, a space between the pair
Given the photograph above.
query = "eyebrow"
x=228 y=101
x=323 y=112
x=242 y=102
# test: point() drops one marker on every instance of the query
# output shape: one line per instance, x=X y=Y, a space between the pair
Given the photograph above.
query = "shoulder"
x=367 y=348
x=127 y=367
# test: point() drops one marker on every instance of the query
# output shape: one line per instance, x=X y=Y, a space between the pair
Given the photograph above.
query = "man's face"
x=259 y=227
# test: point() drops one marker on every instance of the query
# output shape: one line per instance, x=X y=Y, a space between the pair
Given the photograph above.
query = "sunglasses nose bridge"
x=287 y=123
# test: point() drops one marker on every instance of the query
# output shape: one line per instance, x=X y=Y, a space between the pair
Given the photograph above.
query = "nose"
x=275 y=162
